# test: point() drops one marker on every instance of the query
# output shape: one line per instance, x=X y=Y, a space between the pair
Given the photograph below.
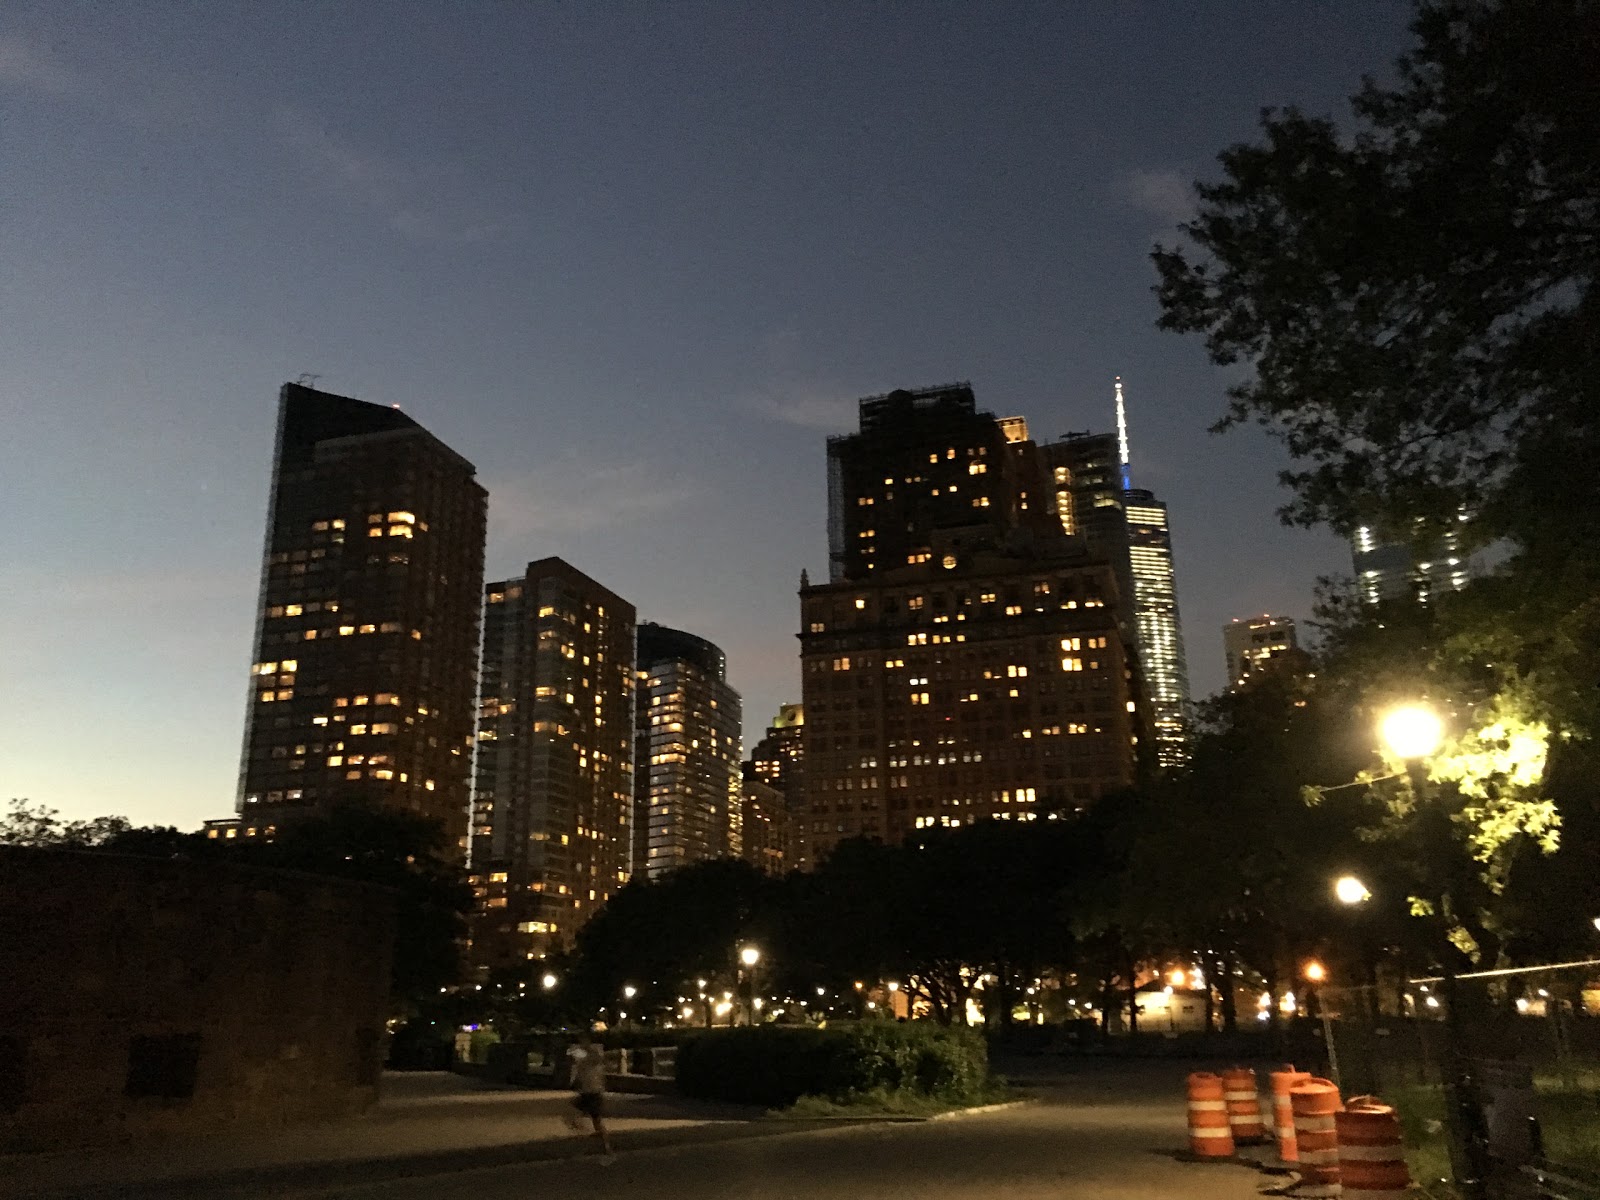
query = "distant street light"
x=750 y=956
x=893 y=986
x=1315 y=971
x=629 y=992
x=1351 y=890
x=1411 y=731
x=549 y=981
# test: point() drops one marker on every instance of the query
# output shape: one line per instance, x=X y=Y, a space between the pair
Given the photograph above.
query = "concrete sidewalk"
x=427 y=1123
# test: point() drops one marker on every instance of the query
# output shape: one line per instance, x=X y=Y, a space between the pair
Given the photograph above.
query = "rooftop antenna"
x=1122 y=437
x=308 y=379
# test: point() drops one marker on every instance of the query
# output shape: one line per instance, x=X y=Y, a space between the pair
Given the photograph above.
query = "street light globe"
x=749 y=956
x=1597 y=923
x=1350 y=890
x=630 y=991
x=1411 y=731
x=1316 y=972
x=549 y=981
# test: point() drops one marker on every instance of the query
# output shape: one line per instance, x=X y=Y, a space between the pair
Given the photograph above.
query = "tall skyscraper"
x=1426 y=564
x=552 y=807
x=1254 y=644
x=1090 y=477
x=688 y=805
x=965 y=661
x=779 y=761
x=367 y=624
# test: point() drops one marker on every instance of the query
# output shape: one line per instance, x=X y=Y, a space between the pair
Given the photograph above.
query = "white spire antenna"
x=1122 y=437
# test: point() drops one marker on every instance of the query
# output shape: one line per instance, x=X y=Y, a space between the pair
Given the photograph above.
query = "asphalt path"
x=1113 y=1132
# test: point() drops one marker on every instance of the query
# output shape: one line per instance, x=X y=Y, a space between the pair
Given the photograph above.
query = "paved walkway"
x=1101 y=1131
x=428 y=1121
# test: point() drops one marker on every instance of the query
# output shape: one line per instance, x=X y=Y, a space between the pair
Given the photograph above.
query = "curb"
x=983 y=1108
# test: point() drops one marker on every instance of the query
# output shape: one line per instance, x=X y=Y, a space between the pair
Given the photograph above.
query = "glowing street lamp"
x=750 y=956
x=1315 y=972
x=1350 y=890
x=549 y=981
x=1411 y=731
x=629 y=992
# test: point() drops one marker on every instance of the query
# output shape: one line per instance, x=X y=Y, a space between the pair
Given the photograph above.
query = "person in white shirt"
x=589 y=1081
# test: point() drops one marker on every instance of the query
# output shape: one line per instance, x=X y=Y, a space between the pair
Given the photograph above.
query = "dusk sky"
x=635 y=261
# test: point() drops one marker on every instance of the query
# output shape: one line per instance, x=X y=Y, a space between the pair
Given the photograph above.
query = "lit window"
x=949 y=562
x=346 y=630
x=292 y=610
x=336 y=760
x=861 y=602
x=403 y=517
x=404 y=531
x=1072 y=664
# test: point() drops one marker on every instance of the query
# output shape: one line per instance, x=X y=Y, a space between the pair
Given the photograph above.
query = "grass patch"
x=896 y=1102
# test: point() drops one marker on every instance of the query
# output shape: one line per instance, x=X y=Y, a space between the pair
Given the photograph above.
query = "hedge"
x=775 y=1065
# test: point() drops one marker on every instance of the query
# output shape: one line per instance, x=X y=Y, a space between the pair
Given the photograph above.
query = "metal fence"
x=1496 y=1075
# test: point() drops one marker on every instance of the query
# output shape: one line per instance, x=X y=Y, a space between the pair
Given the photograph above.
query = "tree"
x=1416 y=302
x=26 y=824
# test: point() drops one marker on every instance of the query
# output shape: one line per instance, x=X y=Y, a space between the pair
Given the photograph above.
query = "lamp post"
x=1412 y=733
x=749 y=958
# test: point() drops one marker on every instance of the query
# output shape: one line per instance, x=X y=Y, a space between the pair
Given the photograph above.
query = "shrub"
x=774 y=1066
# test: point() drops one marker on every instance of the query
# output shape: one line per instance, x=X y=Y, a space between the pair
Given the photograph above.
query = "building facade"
x=552 y=805
x=1421 y=567
x=1093 y=499
x=367 y=626
x=766 y=823
x=779 y=761
x=1254 y=644
x=687 y=748
x=966 y=660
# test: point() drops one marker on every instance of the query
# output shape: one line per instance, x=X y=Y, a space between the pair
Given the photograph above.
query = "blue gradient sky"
x=633 y=260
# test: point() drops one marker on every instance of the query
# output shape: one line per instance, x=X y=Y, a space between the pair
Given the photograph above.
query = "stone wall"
x=143 y=996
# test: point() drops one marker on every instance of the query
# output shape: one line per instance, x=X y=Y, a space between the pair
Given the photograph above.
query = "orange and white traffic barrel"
x=1210 y=1135
x=1284 y=1078
x=1244 y=1105
x=1372 y=1161
x=1316 y=1103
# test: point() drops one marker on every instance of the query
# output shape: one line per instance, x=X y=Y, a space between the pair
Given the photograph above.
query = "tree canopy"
x=1414 y=299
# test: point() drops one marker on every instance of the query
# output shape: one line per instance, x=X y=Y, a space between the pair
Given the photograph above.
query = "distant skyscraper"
x=965 y=661
x=1254 y=644
x=1427 y=564
x=766 y=823
x=779 y=760
x=552 y=806
x=687 y=787
x=1155 y=610
x=367 y=627
x=1090 y=479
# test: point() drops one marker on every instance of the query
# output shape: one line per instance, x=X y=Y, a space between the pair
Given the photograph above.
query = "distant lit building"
x=687 y=749
x=1427 y=564
x=553 y=802
x=1257 y=644
x=779 y=761
x=765 y=823
x=1160 y=638
x=1093 y=500
x=366 y=636
x=966 y=659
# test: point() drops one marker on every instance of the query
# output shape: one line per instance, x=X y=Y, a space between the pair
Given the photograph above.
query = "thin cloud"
x=30 y=66
x=569 y=497
x=1168 y=195
x=418 y=205
x=805 y=408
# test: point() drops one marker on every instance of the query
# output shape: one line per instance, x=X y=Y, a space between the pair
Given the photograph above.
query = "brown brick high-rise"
x=968 y=659
x=364 y=677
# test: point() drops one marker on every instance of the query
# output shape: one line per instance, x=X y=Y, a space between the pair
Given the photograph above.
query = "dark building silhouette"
x=367 y=628
x=686 y=751
x=1257 y=645
x=157 y=996
x=966 y=660
x=552 y=806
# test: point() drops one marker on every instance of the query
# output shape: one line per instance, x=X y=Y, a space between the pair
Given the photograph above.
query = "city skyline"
x=593 y=306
